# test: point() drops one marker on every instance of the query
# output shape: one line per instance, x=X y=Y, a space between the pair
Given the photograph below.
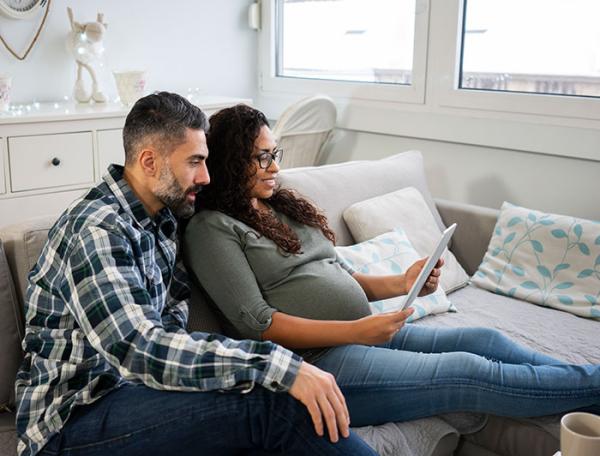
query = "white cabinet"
x=52 y=153
x=47 y=161
x=110 y=149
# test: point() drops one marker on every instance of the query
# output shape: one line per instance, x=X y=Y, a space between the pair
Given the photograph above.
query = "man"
x=109 y=366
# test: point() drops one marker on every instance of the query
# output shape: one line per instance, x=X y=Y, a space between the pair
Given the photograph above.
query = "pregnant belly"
x=326 y=292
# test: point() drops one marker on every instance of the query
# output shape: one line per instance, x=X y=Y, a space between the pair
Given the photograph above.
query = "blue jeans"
x=425 y=371
x=137 y=420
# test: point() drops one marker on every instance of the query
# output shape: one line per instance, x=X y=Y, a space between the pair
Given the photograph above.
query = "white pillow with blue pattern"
x=547 y=259
x=392 y=253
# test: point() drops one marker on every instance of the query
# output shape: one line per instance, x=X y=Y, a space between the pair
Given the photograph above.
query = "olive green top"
x=249 y=277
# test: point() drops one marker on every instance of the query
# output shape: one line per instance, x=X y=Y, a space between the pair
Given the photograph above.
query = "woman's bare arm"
x=298 y=332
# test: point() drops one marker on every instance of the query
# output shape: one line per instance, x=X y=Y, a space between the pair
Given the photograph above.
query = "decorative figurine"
x=85 y=44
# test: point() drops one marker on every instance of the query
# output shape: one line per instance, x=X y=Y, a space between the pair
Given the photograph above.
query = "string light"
x=63 y=106
x=66 y=105
x=193 y=94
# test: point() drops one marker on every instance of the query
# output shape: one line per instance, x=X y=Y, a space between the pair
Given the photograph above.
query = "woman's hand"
x=432 y=281
x=380 y=328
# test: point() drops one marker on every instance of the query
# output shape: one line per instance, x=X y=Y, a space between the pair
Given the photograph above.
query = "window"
x=346 y=40
x=372 y=49
x=482 y=58
x=539 y=46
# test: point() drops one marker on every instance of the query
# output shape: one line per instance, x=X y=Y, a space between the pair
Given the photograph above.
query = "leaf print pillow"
x=547 y=259
x=392 y=253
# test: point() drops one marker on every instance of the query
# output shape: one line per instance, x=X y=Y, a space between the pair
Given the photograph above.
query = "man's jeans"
x=425 y=371
x=137 y=420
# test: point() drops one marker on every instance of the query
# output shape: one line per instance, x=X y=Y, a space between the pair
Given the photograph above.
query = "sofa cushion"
x=11 y=332
x=547 y=259
x=387 y=254
x=557 y=334
x=23 y=243
x=405 y=208
x=335 y=187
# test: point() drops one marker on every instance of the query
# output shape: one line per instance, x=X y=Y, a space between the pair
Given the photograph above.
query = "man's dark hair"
x=163 y=118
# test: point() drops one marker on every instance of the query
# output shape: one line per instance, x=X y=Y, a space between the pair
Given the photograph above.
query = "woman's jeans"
x=424 y=371
x=137 y=420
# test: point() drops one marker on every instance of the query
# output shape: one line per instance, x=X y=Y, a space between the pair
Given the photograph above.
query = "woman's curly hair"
x=232 y=168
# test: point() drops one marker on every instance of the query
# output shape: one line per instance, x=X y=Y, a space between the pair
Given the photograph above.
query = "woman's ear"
x=147 y=159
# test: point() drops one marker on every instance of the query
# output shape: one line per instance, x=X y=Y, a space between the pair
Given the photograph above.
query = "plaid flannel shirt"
x=106 y=304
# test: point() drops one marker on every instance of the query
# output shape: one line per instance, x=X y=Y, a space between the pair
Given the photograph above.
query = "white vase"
x=130 y=85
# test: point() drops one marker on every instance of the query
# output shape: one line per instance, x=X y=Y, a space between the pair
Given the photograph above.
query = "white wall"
x=488 y=176
x=181 y=43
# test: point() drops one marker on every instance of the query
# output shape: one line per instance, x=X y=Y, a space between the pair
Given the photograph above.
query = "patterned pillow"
x=547 y=259
x=406 y=208
x=392 y=253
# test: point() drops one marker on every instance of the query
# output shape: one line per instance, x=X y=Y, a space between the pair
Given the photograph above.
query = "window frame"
x=450 y=95
x=562 y=126
x=270 y=82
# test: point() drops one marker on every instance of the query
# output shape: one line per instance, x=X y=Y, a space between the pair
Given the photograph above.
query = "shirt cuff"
x=282 y=369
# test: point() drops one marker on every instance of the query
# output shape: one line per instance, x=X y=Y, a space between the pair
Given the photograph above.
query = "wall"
x=470 y=158
x=204 y=44
x=487 y=176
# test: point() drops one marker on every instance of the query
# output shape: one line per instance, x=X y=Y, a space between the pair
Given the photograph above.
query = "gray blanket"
x=559 y=334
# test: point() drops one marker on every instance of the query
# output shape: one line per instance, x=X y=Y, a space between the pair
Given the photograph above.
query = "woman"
x=266 y=257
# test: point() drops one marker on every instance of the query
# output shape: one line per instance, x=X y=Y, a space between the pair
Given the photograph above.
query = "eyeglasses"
x=265 y=158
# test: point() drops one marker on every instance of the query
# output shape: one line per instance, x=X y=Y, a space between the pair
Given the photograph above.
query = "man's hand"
x=319 y=392
x=380 y=328
x=432 y=281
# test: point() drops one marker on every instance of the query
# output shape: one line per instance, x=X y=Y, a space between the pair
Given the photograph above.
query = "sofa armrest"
x=473 y=233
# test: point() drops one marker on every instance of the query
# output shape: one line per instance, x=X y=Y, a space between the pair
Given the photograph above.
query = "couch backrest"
x=335 y=187
x=331 y=187
x=23 y=243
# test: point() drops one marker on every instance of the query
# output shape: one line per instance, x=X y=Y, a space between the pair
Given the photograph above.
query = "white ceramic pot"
x=130 y=85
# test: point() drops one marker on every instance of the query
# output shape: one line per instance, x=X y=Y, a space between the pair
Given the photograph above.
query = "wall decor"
x=23 y=9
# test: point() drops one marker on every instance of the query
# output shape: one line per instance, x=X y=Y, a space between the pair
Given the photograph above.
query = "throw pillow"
x=547 y=259
x=392 y=253
x=405 y=208
x=335 y=187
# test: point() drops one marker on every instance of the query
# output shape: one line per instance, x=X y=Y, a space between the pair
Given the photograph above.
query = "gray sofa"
x=335 y=187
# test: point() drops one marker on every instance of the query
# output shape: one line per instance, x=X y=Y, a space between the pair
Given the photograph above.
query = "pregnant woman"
x=266 y=257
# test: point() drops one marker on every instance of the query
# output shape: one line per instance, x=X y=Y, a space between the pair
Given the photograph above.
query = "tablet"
x=429 y=265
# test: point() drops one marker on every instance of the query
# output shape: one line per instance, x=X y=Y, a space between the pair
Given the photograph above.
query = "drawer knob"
x=55 y=161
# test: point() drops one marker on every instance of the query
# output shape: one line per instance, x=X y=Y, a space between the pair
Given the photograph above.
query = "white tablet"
x=429 y=265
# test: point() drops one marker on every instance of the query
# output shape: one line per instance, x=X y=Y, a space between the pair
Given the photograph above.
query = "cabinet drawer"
x=110 y=149
x=47 y=161
x=2 y=186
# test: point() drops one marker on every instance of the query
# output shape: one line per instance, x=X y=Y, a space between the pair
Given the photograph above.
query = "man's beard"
x=173 y=195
